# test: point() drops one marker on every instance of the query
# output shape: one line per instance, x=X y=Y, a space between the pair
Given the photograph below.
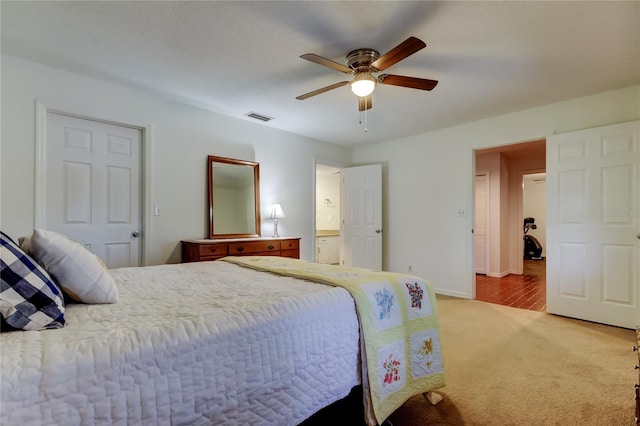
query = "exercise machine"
x=532 y=247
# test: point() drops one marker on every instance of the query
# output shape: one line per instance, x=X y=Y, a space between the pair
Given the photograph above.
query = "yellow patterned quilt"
x=399 y=325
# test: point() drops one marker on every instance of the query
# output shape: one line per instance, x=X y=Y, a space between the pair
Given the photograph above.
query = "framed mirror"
x=234 y=198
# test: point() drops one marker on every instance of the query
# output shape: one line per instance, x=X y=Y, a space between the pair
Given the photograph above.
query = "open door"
x=361 y=214
x=593 y=224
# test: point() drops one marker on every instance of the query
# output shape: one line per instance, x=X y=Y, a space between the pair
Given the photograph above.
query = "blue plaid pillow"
x=29 y=299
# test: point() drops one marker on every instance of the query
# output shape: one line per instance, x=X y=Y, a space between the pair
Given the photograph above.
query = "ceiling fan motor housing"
x=361 y=58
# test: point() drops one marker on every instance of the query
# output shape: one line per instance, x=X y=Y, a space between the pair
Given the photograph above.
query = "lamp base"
x=275 y=229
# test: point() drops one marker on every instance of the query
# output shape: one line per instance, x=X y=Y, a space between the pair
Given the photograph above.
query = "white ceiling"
x=236 y=57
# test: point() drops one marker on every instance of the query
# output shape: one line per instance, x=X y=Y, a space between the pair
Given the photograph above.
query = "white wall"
x=428 y=179
x=181 y=138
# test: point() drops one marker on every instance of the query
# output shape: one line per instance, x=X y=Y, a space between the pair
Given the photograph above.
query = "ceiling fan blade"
x=398 y=53
x=412 y=82
x=364 y=103
x=322 y=90
x=326 y=62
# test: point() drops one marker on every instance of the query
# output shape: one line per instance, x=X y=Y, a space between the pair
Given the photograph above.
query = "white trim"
x=147 y=191
x=40 y=165
x=447 y=292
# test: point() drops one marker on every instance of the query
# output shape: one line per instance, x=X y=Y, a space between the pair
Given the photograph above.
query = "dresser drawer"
x=290 y=253
x=209 y=250
x=290 y=245
x=254 y=247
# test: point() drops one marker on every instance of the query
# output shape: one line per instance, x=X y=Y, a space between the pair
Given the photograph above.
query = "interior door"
x=481 y=220
x=93 y=178
x=593 y=230
x=361 y=214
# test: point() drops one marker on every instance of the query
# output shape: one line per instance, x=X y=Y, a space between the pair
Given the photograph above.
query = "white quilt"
x=190 y=344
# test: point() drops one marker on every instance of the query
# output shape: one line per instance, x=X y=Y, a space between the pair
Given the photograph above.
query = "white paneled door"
x=361 y=215
x=481 y=223
x=593 y=224
x=93 y=180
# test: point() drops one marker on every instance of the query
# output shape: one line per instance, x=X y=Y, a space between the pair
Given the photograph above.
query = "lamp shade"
x=363 y=84
x=363 y=87
x=276 y=212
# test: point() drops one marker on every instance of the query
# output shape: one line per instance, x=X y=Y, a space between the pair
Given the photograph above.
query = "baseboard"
x=498 y=275
x=446 y=292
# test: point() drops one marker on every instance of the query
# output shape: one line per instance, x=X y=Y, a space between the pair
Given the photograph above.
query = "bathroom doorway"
x=327 y=221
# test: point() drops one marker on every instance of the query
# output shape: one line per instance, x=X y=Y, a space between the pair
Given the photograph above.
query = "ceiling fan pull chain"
x=365 y=121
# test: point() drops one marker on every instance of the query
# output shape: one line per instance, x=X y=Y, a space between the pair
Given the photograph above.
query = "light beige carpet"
x=508 y=366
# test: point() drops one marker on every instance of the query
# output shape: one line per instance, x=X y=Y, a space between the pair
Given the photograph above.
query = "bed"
x=222 y=342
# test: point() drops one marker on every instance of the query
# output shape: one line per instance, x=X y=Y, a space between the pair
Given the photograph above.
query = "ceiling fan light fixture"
x=363 y=63
x=363 y=85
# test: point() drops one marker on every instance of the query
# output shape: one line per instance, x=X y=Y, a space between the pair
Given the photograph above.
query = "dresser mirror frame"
x=227 y=174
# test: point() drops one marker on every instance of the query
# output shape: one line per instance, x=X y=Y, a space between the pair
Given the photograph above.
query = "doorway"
x=327 y=220
x=510 y=279
x=534 y=212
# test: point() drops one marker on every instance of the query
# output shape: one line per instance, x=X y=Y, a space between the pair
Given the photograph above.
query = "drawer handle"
x=271 y=247
x=240 y=249
x=212 y=249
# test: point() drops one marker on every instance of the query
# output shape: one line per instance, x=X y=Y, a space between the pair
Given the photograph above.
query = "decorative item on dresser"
x=203 y=250
x=276 y=213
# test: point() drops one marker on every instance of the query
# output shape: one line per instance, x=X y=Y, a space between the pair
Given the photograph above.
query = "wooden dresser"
x=201 y=250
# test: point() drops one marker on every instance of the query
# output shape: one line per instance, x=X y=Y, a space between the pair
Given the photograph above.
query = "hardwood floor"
x=526 y=291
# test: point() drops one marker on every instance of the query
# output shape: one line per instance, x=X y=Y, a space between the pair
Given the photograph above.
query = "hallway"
x=526 y=291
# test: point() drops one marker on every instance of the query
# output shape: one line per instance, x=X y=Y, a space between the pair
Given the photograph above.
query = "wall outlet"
x=410 y=268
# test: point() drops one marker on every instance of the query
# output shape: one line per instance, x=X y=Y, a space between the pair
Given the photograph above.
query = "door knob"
x=378 y=231
x=135 y=234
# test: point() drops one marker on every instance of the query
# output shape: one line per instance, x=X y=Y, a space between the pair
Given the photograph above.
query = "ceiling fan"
x=364 y=63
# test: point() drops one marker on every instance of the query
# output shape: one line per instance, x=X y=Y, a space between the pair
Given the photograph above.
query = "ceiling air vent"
x=260 y=117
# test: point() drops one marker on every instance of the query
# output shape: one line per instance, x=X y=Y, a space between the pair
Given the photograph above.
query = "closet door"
x=92 y=186
x=481 y=221
x=593 y=224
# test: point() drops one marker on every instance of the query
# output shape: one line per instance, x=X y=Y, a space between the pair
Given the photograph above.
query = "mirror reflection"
x=233 y=198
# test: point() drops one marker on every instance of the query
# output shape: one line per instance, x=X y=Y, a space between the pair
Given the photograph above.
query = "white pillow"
x=80 y=273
